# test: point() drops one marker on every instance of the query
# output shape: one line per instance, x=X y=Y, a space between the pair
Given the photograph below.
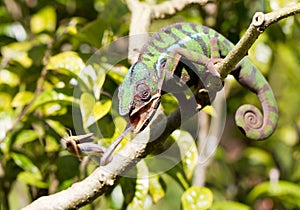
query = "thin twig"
x=38 y=90
x=259 y=23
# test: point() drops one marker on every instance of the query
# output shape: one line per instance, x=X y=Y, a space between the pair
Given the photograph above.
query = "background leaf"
x=200 y=198
x=67 y=60
x=22 y=98
x=286 y=191
x=225 y=205
x=25 y=163
x=44 y=20
x=141 y=187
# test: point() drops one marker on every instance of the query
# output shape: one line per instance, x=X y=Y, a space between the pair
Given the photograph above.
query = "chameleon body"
x=160 y=61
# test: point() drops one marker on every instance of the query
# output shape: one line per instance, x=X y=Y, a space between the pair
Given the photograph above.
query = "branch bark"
x=103 y=178
x=260 y=22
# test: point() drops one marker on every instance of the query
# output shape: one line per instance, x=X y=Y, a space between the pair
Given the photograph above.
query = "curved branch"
x=259 y=23
x=104 y=177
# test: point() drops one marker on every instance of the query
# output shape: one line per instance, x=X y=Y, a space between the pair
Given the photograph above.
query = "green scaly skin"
x=158 y=62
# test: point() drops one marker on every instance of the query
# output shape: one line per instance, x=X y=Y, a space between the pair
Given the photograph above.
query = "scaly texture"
x=203 y=46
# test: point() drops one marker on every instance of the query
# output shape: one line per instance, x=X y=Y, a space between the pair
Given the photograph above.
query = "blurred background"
x=45 y=44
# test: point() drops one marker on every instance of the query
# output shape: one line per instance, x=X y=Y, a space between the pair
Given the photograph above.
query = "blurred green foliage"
x=43 y=90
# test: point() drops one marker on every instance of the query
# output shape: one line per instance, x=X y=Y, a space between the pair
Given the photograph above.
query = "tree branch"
x=105 y=177
x=259 y=23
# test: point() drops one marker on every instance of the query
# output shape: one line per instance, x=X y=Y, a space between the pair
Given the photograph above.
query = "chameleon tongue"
x=107 y=156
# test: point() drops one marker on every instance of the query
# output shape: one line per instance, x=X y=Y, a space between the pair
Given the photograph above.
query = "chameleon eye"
x=163 y=63
x=143 y=92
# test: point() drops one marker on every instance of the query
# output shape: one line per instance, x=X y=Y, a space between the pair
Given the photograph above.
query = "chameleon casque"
x=164 y=56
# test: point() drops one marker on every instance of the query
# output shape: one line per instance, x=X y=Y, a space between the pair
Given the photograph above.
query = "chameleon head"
x=139 y=96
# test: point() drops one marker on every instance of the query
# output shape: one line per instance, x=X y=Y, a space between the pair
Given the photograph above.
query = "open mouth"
x=141 y=116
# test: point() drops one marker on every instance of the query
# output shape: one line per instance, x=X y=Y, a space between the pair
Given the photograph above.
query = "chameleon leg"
x=198 y=58
x=215 y=53
x=210 y=82
x=248 y=118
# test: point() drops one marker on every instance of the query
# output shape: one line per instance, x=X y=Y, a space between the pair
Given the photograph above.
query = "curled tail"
x=249 y=119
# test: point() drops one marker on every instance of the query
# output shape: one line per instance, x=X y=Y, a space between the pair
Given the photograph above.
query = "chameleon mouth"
x=141 y=116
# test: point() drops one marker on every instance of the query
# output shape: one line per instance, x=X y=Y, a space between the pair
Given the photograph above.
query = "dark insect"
x=81 y=145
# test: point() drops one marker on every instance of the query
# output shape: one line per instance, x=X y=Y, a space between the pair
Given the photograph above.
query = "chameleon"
x=162 y=59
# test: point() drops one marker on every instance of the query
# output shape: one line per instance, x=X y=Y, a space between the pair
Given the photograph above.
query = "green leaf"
x=57 y=126
x=43 y=20
x=93 y=77
x=258 y=156
x=53 y=109
x=9 y=78
x=51 y=96
x=68 y=61
x=92 y=33
x=178 y=175
x=51 y=144
x=283 y=190
x=71 y=27
x=226 y=205
x=102 y=108
x=169 y=103
x=117 y=73
x=26 y=136
x=25 y=163
x=18 y=190
x=18 y=51
x=5 y=100
x=188 y=151
x=7 y=119
x=289 y=135
x=199 y=198
x=32 y=179
x=22 y=99
x=156 y=188
x=91 y=110
x=87 y=103
x=141 y=187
